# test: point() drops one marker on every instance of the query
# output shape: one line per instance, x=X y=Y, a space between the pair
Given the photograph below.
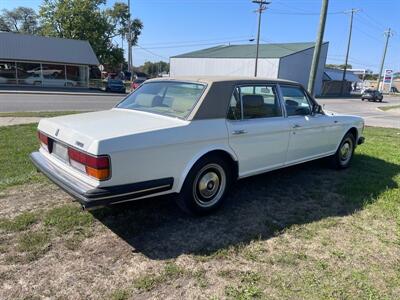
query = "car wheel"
x=362 y=99
x=344 y=154
x=205 y=186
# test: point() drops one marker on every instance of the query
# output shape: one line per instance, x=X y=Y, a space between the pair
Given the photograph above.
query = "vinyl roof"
x=212 y=79
x=16 y=46
x=249 y=51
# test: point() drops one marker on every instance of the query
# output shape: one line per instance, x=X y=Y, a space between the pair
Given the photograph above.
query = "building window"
x=53 y=75
x=77 y=76
x=29 y=73
x=8 y=74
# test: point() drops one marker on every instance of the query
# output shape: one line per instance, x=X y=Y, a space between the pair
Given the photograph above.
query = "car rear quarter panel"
x=162 y=153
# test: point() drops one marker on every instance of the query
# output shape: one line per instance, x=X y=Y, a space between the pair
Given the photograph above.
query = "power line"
x=196 y=41
x=282 y=12
x=151 y=52
x=367 y=34
x=375 y=21
x=199 y=44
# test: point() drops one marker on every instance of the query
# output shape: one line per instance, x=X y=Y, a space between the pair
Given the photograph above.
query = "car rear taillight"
x=94 y=166
x=44 y=140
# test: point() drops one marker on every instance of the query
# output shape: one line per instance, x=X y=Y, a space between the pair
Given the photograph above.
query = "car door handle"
x=240 y=131
x=296 y=126
x=336 y=121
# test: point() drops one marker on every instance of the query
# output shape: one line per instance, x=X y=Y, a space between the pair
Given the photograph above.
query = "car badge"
x=79 y=144
x=57 y=131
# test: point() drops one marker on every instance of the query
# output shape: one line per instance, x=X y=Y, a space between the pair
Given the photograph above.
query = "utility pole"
x=263 y=6
x=129 y=40
x=352 y=12
x=318 y=45
x=388 y=34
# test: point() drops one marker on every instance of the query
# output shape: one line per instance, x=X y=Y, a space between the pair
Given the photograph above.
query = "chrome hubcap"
x=209 y=185
x=346 y=151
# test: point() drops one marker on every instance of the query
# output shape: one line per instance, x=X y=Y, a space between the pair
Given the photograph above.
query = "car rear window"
x=170 y=98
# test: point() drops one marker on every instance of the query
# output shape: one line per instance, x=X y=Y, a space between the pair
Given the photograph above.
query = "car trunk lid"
x=85 y=131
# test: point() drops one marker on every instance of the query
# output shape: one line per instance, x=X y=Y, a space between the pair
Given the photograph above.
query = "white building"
x=290 y=61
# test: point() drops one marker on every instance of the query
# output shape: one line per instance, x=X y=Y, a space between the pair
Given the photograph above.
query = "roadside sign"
x=388 y=79
x=101 y=68
x=388 y=76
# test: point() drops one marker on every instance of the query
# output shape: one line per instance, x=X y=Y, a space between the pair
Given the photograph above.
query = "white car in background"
x=191 y=137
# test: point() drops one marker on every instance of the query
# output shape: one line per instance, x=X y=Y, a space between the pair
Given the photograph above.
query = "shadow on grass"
x=258 y=207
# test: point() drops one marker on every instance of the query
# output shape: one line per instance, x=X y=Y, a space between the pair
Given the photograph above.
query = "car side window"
x=259 y=101
x=235 y=109
x=296 y=101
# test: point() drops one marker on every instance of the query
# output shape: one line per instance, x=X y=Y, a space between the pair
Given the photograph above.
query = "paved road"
x=368 y=110
x=34 y=102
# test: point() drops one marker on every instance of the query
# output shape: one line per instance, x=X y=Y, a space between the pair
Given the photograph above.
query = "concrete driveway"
x=372 y=115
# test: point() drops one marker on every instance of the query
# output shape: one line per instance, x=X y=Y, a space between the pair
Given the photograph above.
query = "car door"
x=312 y=134
x=258 y=130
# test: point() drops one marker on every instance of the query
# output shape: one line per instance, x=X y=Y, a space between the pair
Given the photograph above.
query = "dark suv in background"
x=372 y=95
x=114 y=85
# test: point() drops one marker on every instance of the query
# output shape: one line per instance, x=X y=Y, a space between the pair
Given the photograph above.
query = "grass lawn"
x=16 y=144
x=386 y=108
x=305 y=232
x=38 y=114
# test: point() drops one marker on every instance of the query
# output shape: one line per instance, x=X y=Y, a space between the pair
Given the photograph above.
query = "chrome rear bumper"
x=93 y=197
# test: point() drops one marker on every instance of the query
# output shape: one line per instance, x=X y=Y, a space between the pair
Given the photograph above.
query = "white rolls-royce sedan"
x=191 y=137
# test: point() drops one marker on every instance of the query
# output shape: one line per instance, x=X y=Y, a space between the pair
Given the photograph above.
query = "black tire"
x=344 y=154
x=362 y=99
x=212 y=173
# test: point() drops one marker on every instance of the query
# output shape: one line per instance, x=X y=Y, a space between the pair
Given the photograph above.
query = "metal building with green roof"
x=286 y=61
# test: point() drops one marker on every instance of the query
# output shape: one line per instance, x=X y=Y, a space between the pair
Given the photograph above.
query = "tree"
x=86 y=20
x=154 y=69
x=341 y=67
x=20 y=20
x=371 y=77
x=119 y=16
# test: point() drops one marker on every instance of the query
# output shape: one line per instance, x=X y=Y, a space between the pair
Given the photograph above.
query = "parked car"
x=136 y=83
x=372 y=95
x=114 y=85
x=192 y=138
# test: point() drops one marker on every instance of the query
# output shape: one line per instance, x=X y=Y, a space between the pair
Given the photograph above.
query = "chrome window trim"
x=275 y=85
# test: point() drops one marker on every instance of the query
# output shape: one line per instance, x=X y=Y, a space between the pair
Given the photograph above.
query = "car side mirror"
x=317 y=109
x=303 y=111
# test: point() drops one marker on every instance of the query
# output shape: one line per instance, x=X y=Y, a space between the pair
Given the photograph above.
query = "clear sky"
x=177 y=26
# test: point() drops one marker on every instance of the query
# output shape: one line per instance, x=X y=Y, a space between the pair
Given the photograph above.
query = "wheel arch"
x=226 y=153
x=354 y=131
x=351 y=129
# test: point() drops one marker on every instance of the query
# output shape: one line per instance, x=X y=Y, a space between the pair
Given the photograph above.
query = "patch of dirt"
x=286 y=234
x=30 y=197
